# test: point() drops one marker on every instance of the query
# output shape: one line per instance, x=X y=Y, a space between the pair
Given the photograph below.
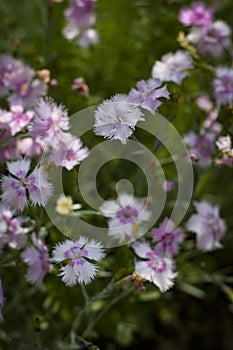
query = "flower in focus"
x=38 y=260
x=168 y=239
x=147 y=94
x=126 y=217
x=15 y=186
x=69 y=152
x=79 y=269
x=154 y=268
x=2 y=300
x=11 y=230
x=197 y=15
x=65 y=205
x=50 y=121
x=208 y=226
x=116 y=118
x=211 y=40
x=173 y=67
x=223 y=86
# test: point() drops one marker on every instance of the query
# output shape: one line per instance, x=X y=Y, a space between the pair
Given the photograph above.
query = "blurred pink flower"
x=197 y=14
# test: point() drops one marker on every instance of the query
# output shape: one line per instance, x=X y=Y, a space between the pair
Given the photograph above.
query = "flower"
x=147 y=94
x=11 y=230
x=126 y=217
x=173 y=67
x=15 y=187
x=38 y=260
x=89 y=37
x=223 y=86
x=2 y=300
x=65 y=205
x=50 y=121
x=168 y=239
x=16 y=119
x=208 y=226
x=201 y=146
x=211 y=40
x=78 y=253
x=224 y=143
x=154 y=268
x=168 y=186
x=69 y=152
x=80 y=87
x=197 y=15
x=116 y=118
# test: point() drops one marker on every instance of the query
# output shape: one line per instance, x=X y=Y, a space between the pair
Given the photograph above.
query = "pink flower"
x=11 y=230
x=173 y=67
x=37 y=258
x=79 y=268
x=148 y=93
x=223 y=86
x=167 y=238
x=154 y=268
x=211 y=40
x=50 y=121
x=197 y=15
x=69 y=152
x=116 y=118
x=16 y=119
x=208 y=226
x=15 y=188
x=126 y=217
x=80 y=87
x=168 y=186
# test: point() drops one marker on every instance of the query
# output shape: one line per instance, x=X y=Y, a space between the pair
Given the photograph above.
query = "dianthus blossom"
x=196 y=15
x=223 y=86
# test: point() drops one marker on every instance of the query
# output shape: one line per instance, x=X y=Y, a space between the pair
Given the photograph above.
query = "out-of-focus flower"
x=204 y=103
x=53 y=82
x=196 y=15
x=126 y=217
x=50 y=121
x=148 y=93
x=2 y=300
x=15 y=186
x=79 y=269
x=11 y=230
x=211 y=40
x=168 y=185
x=116 y=118
x=89 y=37
x=154 y=268
x=201 y=146
x=80 y=87
x=69 y=152
x=223 y=86
x=208 y=226
x=173 y=67
x=167 y=238
x=65 y=205
x=38 y=260
x=16 y=119
x=44 y=75
x=224 y=145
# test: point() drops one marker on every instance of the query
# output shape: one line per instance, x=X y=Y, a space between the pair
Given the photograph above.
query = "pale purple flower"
x=211 y=41
x=80 y=16
x=168 y=240
x=126 y=217
x=173 y=67
x=50 y=121
x=38 y=260
x=224 y=143
x=89 y=37
x=154 y=268
x=2 y=300
x=116 y=118
x=12 y=232
x=168 y=186
x=69 y=152
x=197 y=14
x=201 y=146
x=9 y=151
x=79 y=268
x=15 y=186
x=16 y=119
x=223 y=86
x=204 y=103
x=29 y=147
x=208 y=226
x=8 y=66
x=148 y=93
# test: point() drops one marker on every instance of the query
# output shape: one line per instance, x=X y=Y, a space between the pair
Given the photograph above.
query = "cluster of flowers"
x=80 y=19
